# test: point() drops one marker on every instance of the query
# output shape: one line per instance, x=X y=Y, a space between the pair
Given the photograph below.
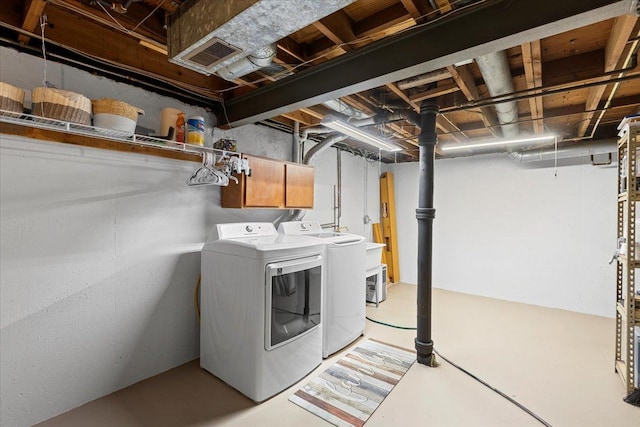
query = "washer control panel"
x=245 y=229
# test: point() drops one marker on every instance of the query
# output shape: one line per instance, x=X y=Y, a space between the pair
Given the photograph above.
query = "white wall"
x=518 y=234
x=100 y=252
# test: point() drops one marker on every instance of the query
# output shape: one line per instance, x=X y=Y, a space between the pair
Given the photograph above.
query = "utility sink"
x=374 y=254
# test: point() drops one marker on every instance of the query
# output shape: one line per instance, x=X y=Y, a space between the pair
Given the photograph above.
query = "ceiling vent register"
x=206 y=36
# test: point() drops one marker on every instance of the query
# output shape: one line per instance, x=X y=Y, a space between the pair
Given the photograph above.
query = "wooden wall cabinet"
x=272 y=184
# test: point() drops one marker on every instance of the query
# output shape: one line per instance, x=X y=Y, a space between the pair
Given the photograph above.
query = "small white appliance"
x=343 y=304
x=377 y=284
x=261 y=319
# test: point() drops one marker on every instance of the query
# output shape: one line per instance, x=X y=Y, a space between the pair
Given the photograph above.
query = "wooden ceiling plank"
x=444 y=6
x=465 y=81
x=442 y=123
x=337 y=27
x=32 y=13
x=151 y=31
x=412 y=8
x=423 y=79
x=313 y=113
x=442 y=89
x=86 y=36
x=395 y=89
x=531 y=57
x=302 y=117
x=620 y=33
x=292 y=48
x=382 y=20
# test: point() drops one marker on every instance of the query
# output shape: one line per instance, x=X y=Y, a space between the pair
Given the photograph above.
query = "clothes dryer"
x=343 y=304
x=261 y=319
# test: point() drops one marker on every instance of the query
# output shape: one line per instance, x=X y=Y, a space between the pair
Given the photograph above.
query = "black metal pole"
x=425 y=213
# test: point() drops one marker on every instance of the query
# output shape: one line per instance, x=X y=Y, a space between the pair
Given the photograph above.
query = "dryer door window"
x=293 y=299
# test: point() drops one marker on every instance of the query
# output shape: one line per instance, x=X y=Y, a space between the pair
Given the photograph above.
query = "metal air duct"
x=259 y=59
x=497 y=76
x=206 y=36
x=584 y=149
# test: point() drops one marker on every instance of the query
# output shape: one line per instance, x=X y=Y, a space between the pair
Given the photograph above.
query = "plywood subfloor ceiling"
x=577 y=83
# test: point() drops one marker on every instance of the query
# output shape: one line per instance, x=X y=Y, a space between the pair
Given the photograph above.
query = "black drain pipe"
x=425 y=213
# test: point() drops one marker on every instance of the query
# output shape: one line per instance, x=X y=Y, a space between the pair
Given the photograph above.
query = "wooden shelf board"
x=94 y=142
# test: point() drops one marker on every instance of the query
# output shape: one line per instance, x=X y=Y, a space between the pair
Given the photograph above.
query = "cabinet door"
x=265 y=187
x=299 y=186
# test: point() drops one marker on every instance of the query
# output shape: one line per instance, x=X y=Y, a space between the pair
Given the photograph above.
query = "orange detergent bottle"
x=180 y=128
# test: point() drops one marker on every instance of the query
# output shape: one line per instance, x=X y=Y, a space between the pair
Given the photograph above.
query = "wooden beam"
x=412 y=8
x=467 y=84
x=620 y=34
x=302 y=117
x=395 y=89
x=442 y=89
x=423 y=79
x=382 y=20
x=532 y=60
x=32 y=13
x=88 y=37
x=313 y=113
x=151 y=30
x=337 y=27
x=444 y=6
x=292 y=48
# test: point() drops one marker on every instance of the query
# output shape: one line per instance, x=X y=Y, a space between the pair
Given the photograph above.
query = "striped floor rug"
x=347 y=393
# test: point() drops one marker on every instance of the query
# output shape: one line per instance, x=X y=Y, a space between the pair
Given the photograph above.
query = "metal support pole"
x=425 y=213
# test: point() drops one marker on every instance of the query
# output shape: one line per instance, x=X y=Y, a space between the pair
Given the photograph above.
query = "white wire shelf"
x=28 y=120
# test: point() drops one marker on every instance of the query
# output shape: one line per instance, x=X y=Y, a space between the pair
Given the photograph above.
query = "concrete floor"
x=557 y=363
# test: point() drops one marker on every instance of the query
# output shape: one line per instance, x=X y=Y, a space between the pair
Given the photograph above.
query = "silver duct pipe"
x=323 y=145
x=346 y=109
x=261 y=58
x=584 y=149
x=497 y=76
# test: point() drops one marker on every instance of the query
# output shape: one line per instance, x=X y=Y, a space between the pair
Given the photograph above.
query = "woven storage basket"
x=118 y=108
x=61 y=105
x=11 y=98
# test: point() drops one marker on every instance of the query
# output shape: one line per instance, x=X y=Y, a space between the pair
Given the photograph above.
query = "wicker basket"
x=118 y=108
x=11 y=98
x=61 y=105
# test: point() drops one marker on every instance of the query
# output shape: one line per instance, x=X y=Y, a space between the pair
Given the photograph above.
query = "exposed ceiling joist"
x=622 y=28
x=532 y=60
x=33 y=11
x=424 y=79
x=337 y=27
x=412 y=8
x=444 y=6
x=414 y=52
x=465 y=81
x=442 y=89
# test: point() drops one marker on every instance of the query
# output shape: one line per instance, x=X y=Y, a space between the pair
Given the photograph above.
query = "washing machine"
x=343 y=305
x=261 y=317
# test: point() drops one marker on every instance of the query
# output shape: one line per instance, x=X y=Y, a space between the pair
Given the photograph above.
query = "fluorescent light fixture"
x=341 y=126
x=493 y=142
